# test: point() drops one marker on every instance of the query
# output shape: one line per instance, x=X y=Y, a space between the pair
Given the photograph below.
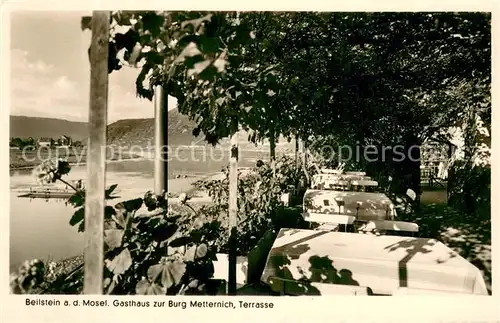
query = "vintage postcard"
x=191 y=162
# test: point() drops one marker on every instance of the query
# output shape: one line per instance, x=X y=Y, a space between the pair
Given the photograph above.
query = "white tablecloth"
x=336 y=179
x=373 y=206
x=384 y=264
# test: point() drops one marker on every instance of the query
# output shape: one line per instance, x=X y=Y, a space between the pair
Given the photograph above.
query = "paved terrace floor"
x=464 y=233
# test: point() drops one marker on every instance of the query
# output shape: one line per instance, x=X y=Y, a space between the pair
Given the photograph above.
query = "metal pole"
x=303 y=156
x=96 y=155
x=233 y=212
x=161 y=140
x=297 y=162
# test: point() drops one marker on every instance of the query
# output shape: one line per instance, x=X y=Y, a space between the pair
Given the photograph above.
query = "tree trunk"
x=470 y=148
x=413 y=158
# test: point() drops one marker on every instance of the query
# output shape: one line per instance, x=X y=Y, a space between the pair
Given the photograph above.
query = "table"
x=367 y=206
x=383 y=264
x=326 y=180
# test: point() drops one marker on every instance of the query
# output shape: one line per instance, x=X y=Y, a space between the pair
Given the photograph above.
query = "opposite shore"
x=32 y=165
x=28 y=159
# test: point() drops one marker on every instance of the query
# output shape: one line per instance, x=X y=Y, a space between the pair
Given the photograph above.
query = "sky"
x=50 y=71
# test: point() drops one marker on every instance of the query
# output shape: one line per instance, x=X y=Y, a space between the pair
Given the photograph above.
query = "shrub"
x=469 y=189
x=149 y=248
x=152 y=248
x=259 y=202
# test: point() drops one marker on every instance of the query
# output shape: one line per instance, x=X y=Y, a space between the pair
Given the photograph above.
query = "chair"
x=285 y=199
x=415 y=291
x=390 y=226
x=356 y=173
x=364 y=182
x=410 y=194
x=331 y=171
x=335 y=219
x=390 y=212
x=298 y=288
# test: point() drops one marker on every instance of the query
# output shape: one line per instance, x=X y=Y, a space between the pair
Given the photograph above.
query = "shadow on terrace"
x=466 y=234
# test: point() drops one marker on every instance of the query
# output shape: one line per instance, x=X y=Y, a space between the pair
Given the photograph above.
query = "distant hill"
x=24 y=127
x=126 y=132
x=140 y=132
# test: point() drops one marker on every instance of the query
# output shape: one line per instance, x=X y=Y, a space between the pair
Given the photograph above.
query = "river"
x=40 y=228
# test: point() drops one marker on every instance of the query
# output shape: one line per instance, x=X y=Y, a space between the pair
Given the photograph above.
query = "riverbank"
x=38 y=218
x=27 y=160
x=73 y=266
x=185 y=161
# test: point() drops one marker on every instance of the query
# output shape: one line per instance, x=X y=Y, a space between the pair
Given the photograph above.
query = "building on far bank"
x=65 y=141
x=45 y=142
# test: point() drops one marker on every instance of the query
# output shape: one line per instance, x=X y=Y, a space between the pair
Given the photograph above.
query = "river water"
x=39 y=228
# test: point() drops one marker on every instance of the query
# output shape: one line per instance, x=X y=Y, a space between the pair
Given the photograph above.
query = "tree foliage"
x=359 y=75
x=152 y=248
x=260 y=208
x=354 y=79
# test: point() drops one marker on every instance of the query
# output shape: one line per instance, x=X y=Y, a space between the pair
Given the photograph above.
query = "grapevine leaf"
x=209 y=45
x=86 y=23
x=110 y=190
x=81 y=227
x=152 y=22
x=199 y=67
x=77 y=199
x=173 y=273
x=155 y=271
x=201 y=251
x=124 y=211
x=144 y=287
x=196 y=22
x=208 y=73
x=190 y=254
x=141 y=90
x=78 y=216
x=109 y=211
x=120 y=263
x=179 y=242
x=190 y=50
x=121 y=218
x=164 y=233
x=113 y=238
x=130 y=205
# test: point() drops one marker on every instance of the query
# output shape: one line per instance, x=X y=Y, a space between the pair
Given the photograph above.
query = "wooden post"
x=96 y=155
x=303 y=156
x=297 y=161
x=233 y=212
x=272 y=144
x=272 y=147
x=161 y=140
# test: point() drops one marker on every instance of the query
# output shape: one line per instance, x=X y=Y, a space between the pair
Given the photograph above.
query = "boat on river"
x=48 y=193
x=52 y=191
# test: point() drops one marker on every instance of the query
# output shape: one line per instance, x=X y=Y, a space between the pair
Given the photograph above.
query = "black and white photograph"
x=249 y=153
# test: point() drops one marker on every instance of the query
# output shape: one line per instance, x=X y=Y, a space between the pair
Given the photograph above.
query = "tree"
x=398 y=67
x=354 y=78
x=16 y=142
x=214 y=64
